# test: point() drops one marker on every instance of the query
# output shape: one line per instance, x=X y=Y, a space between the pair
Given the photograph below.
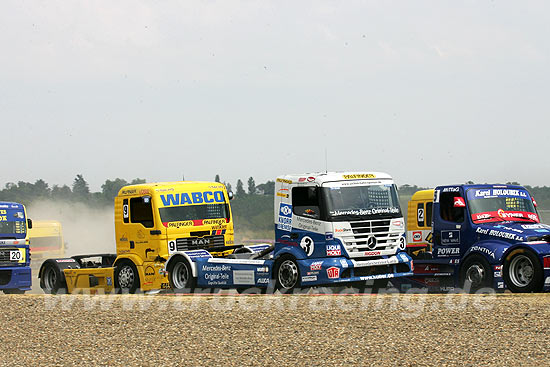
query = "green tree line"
x=252 y=207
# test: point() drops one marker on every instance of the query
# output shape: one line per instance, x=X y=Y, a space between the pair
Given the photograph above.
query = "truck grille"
x=194 y=243
x=5 y=256
x=370 y=237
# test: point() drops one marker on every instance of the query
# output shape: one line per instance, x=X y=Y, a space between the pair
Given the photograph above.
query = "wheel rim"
x=288 y=274
x=180 y=275
x=50 y=279
x=475 y=275
x=126 y=277
x=521 y=271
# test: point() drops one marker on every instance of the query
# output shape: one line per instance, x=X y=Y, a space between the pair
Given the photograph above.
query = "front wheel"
x=476 y=273
x=126 y=277
x=522 y=272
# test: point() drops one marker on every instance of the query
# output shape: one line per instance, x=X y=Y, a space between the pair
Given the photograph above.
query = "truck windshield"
x=12 y=222
x=361 y=202
x=194 y=212
x=498 y=205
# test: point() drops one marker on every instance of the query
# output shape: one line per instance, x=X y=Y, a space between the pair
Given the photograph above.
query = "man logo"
x=371 y=242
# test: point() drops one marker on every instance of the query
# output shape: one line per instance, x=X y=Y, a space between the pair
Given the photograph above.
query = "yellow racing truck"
x=152 y=221
x=46 y=240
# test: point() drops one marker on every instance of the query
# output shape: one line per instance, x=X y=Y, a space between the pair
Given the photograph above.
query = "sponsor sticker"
x=309 y=278
x=283 y=180
x=448 y=251
x=459 y=202
x=243 y=277
x=417 y=236
x=316 y=265
x=334 y=250
x=333 y=272
x=450 y=237
x=359 y=176
x=372 y=253
x=285 y=217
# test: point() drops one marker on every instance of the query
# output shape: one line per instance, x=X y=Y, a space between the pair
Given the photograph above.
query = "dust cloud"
x=86 y=230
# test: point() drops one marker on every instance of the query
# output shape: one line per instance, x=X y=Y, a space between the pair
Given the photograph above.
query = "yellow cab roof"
x=150 y=188
x=44 y=228
x=423 y=195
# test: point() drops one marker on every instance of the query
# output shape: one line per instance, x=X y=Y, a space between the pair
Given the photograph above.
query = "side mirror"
x=459 y=202
x=29 y=223
x=230 y=195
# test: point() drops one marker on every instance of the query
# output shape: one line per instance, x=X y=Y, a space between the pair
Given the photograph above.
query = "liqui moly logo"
x=316 y=265
x=334 y=250
x=333 y=272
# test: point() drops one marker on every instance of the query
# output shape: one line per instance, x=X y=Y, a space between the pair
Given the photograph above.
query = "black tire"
x=52 y=280
x=181 y=277
x=287 y=275
x=475 y=273
x=126 y=277
x=14 y=291
x=522 y=272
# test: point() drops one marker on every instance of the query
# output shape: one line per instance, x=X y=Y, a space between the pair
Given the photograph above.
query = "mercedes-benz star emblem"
x=371 y=242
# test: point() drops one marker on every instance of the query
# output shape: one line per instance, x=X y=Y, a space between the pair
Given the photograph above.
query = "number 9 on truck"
x=172 y=247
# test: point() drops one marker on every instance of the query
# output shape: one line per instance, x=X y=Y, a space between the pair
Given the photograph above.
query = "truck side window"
x=141 y=212
x=305 y=202
x=428 y=216
x=420 y=214
x=446 y=206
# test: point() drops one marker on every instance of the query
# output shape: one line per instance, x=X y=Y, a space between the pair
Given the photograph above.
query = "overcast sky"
x=431 y=92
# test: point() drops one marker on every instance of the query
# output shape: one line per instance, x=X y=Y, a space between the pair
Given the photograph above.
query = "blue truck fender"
x=541 y=249
x=492 y=251
x=294 y=251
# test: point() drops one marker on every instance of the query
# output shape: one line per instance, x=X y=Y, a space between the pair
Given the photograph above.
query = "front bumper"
x=15 y=278
x=336 y=270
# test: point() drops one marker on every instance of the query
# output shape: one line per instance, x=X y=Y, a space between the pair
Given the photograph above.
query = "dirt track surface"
x=385 y=330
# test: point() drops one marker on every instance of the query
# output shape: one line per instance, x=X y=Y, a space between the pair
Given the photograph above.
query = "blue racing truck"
x=477 y=236
x=330 y=229
x=15 y=259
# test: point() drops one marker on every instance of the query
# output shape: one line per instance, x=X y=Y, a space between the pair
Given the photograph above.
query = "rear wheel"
x=287 y=274
x=126 y=277
x=51 y=279
x=180 y=276
x=523 y=272
x=475 y=274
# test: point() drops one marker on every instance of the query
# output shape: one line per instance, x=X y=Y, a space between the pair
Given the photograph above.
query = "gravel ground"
x=385 y=330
